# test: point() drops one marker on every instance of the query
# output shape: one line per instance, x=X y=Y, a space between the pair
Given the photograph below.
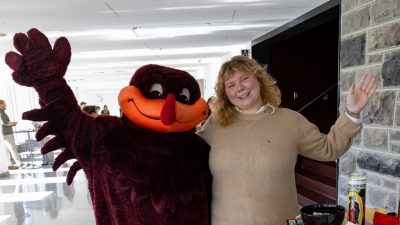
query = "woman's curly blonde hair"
x=224 y=112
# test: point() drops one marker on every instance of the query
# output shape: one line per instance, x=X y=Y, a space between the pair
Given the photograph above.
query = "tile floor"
x=42 y=197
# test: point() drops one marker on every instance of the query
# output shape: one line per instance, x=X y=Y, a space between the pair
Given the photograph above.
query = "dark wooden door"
x=305 y=63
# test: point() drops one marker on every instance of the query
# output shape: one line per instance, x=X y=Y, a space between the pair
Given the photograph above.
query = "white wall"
x=109 y=98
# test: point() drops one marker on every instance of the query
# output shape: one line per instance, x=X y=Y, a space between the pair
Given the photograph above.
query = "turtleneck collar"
x=263 y=108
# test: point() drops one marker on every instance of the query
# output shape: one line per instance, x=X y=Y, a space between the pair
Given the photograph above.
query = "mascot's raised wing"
x=147 y=167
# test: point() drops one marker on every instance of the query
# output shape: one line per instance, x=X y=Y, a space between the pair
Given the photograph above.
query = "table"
x=369 y=215
x=32 y=164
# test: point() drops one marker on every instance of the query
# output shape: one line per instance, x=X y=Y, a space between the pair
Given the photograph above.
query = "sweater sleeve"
x=204 y=131
x=326 y=147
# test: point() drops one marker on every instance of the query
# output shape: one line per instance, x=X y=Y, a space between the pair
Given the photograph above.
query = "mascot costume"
x=147 y=167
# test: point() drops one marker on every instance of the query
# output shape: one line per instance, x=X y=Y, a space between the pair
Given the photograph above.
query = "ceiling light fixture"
x=135 y=33
x=151 y=52
x=118 y=65
x=172 y=32
x=192 y=7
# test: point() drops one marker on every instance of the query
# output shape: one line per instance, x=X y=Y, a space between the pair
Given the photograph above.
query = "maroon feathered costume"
x=145 y=168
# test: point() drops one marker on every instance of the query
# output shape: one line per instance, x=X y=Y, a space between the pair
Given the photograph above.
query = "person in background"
x=97 y=109
x=210 y=102
x=9 y=140
x=105 y=110
x=255 y=143
x=91 y=110
x=82 y=105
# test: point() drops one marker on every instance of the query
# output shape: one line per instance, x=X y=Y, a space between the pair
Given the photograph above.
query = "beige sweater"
x=252 y=162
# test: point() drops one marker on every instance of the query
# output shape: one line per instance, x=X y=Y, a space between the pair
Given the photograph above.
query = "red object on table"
x=384 y=219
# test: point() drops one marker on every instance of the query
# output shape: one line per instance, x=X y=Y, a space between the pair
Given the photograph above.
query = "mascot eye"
x=156 y=91
x=184 y=96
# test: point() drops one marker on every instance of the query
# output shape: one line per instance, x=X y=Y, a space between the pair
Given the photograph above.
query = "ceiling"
x=110 y=39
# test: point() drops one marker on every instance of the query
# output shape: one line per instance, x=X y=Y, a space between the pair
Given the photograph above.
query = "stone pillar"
x=370 y=43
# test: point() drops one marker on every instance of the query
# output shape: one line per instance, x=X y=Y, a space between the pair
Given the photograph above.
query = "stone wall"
x=370 y=43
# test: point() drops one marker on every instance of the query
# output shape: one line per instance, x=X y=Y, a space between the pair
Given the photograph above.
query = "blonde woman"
x=255 y=143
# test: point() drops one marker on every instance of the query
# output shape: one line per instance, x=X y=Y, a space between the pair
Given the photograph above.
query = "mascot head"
x=163 y=99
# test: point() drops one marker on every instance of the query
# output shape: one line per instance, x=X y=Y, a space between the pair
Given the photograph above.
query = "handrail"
x=316 y=98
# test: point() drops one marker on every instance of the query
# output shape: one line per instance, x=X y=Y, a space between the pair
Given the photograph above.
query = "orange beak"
x=168 y=115
x=162 y=115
